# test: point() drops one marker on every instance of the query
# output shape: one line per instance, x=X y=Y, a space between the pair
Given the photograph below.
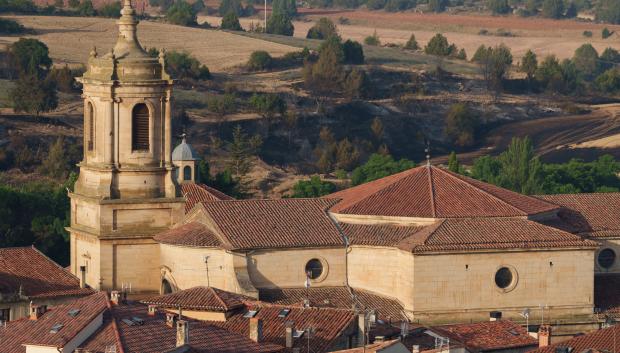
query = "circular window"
x=314 y=268
x=504 y=277
x=606 y=258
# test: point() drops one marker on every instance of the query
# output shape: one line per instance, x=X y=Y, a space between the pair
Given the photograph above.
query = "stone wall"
x=613 y=244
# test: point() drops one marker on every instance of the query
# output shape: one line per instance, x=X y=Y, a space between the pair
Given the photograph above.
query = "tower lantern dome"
x=184 y=158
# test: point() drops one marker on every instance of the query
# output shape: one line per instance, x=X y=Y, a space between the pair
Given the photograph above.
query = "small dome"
x=184 y=152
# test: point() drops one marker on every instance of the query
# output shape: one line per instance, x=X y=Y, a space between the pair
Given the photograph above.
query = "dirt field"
x=70 y=40
x=543 y=36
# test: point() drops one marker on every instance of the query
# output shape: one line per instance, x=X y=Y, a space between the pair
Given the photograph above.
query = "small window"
x=187 y=173
x=606 y=258
x=314 y=268
x=140 y=128
x=503 y=277
x=91 y=126
x=5 y=315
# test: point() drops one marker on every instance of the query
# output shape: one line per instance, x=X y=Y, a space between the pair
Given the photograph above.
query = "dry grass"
x=543 y=36
x=70 y=40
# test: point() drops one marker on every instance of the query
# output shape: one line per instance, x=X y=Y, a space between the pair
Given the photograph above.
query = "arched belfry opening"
x=90 y=116
x=140 y=128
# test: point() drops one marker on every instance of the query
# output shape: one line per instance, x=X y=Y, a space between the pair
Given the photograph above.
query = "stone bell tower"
x=126 y=191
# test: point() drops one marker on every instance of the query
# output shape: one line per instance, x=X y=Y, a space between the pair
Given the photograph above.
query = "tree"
x=242 y=151
x=438 y=5
x=553 y=8
x=56 y=164
x=268 y=104
x=353 y=52
x=111 y=10
x=326 y=75
x=181 y=65
x=34 y=95
x=379 y=166
x=228 y=6
x=529 y=65
x=280 y=24
x=549 y=74
x=375 y=4
x=259 y=60
x=453 y=163
x=377 y=129
x=608 y=11
x=609 y=58
x=323 y=29
x=586 y=61
x=608 y=81
x=499 y=6
x=347 y=155
x=86 y=8
x=30 y=57
x=494 y=64
x=481 y=54
x=521 y=169
x=64 y=79
x=284 y=7
x=74 y=3
x=412 y=43
x=373 y=39
x=315 y=187
x=182 y=13
x=356 y=84
x=571 y=10
x=462 y=125
x=438 y=45
x=231 y=22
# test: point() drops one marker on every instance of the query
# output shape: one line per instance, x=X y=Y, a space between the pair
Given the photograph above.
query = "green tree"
x=8 y=26
x=231 y=22
x=521 y=169
x=74 y=3
x=549 y=74
x=111 y=10
x=353 y=52
x=259 y=60
x=315 y=187
x=608 y=11
x=323 y=29
x=242 y=151
x=609 y=59
x=34 y=95
x=228 y=6
x=56 y=164
x=379 y=166
x=608 y=81
x=356 y=84
x=268 y=105
x=373 y=39
x=461 y=125
x=586 y=61
x=280 y=24
x=326 y=75
x=182 y=13
x=438 y=5
x=453 y=163
x=553 y=8
x=64 y=79
x=182 y=65
x=494 y=64
x=571 y=10
x=412 y=43
x=375 y=4
x=86 y=9
x=284 y=7
x=30 y=57
x=438 y=45
x=499 y=6
x=529 y=65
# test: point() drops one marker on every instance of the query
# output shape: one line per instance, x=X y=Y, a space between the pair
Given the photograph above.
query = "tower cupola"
x=184 y=158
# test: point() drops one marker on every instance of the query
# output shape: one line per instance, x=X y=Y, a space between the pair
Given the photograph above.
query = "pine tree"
x=453 y=163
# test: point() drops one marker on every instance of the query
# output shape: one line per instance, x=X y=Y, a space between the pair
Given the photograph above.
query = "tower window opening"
x=140 y=128
x=91 y=126
x=187 y=173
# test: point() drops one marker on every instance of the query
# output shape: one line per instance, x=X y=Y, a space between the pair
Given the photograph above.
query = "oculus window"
x=504 y=278
x=606 y=258
x=314 y=268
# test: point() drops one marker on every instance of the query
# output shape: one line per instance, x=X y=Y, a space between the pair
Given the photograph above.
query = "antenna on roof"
x=427 y=151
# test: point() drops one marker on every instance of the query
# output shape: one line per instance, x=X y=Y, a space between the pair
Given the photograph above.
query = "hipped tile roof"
x=487 y=335
x=336 y=297
x=378 y=234
x=198 y=193
x=36 y=274
x=201 y=298
x=37 y=332
x=372 y=348
x=594 y=215
x=193 y=234
x=602 y=340
x=432 y=192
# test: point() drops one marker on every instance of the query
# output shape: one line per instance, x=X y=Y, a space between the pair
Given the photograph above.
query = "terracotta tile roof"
x=336 y=297
x=197 y=193
x=37 y=275
x=373 y=348
x=487 y=335
x=285 y=223
x=497 y=233
x=601 y=340
x=378 y=234
x=201 y=298
x=595 y=215
x=432 y=192
x=328 y=323
x=154 y=336
x=192 y=234
x=37 y=332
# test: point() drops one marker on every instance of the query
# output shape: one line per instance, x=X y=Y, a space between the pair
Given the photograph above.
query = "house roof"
x=197 y=193
x=328 y=324
x=596 y=215
x=432 y=192
x=378 y=234
x=193 y=234
x=37 y=275
x=37 y=332
x=487 y=335
x=336 y=297
x=260 y=224
x=155 y=336
x=602 y=340
x=201 y=298
x=375 y=347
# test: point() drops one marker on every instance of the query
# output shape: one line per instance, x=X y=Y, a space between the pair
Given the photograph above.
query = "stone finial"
x=162 y=54
x=93 y=52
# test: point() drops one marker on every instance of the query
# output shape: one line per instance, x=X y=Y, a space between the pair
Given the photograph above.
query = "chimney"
x=182 y=333
x=152 y=309
x=289 y=334
x=256 y=329
x=36 y=311
x=544 y=335
x=362 y=323
x=82 y=276
x=495 y=316
x=415 y=348
x=171 y=319
x=115 y=297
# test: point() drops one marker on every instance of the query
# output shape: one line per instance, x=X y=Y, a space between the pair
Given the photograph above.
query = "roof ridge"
x=214 y=226
x=218 y=297
x=431 y=186
x=433 y=230
x=469 y=184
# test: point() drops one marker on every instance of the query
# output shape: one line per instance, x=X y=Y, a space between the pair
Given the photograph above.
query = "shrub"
x=323 y=29
x=280 y=24
x=259 y=60
x=86 y=9
x=315 y=187
x=377 y=167
x=606 y=33
x=438 y=45
x=284 y=7
x=412 y=43
x=181 y=65
x=228 y=6
x=373 y=39
x=356 y=84
x=231 y=22
x=462 y=125
x=221 y=105
x=587 y=34
x=608 y=81
x=353 y=52
x=182 y=13
x=268 y=105
x=8 y=26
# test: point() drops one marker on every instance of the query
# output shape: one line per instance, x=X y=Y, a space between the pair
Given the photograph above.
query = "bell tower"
x=126 y=191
